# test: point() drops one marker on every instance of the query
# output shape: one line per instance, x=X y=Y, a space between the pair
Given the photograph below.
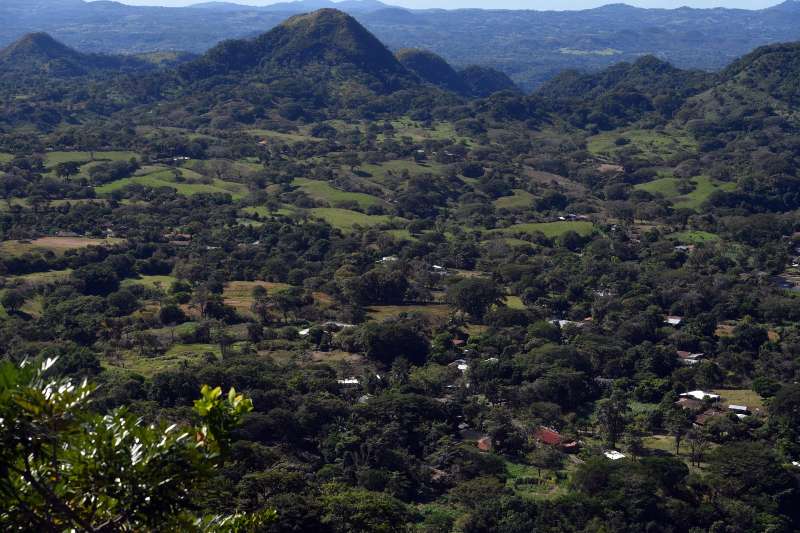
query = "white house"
x=614 y=455
x=700 y=395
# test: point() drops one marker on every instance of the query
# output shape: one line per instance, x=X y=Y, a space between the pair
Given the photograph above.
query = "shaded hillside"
x=624 y=93
x=483 y=81
x=432 y=69
x=40 y=54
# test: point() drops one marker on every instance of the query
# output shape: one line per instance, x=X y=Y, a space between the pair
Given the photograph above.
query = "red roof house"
x=551 y=437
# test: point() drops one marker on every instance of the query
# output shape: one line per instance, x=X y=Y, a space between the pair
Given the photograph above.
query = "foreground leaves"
x=63 y=467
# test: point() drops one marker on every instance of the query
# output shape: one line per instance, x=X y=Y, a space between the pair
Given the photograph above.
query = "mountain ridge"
x=530 y=46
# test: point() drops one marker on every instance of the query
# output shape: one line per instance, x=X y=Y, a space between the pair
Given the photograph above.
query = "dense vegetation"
x=451 y=312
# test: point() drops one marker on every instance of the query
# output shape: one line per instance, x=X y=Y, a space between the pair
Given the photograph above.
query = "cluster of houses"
x=706 y=405
x=570 y=217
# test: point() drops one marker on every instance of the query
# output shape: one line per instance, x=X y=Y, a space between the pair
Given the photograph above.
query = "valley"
x=440 y=303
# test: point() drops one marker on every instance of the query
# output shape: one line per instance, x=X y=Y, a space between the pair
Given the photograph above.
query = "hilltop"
x=326 y=38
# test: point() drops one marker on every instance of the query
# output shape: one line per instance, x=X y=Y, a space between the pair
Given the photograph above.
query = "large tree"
x=474 y=296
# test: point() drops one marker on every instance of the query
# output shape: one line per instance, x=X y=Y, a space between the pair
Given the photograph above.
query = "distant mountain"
x=483 y=81
x=298 y=6
x=647 y=75
x=530 y=46
x=40 y=54
x=321 y=41
x=432 y=69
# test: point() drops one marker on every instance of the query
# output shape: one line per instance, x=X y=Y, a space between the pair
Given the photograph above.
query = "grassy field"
x=652 y=143
x=176 y=356
x=51 y=159
x=239 y=294
x=5 y=158
x=262 y=211
x=694 y=237
x=382 y=173
x=150 y=281
x=668 y=187
x=382 y=312
x=42 y=278
x=515 y=302
x=746 y=397
x=58 y=245
x=166 y=178
x=549 y=229
x=400 y=234
x=520 y=200
x=405 y=127
x=664 y=443
x=548 y=487
x=269 y=135
x=346 y=220
x=705 y=186
x=322 y=190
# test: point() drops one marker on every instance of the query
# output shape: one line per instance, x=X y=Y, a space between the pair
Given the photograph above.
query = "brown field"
x=434 y=311
x=58 y=245
x=337 y=356
x=547 y=178
x=238 y=294
x=741 y=397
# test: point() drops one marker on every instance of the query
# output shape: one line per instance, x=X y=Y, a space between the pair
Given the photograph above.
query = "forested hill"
x=529 y=46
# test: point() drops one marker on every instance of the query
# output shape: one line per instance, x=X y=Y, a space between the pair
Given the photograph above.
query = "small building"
x=564 y=323
x=439 y=270
x=689 y=358
x=700 y=395
x=614 y=455
x=551 y=437
x=485 y=444
x=348 y=382
x=364 y=398
x=460 y=364
x=740 y=410
x=673 y=320
x=387 y=259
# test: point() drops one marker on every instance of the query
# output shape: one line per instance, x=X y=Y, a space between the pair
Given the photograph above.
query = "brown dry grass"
x=58 y=245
